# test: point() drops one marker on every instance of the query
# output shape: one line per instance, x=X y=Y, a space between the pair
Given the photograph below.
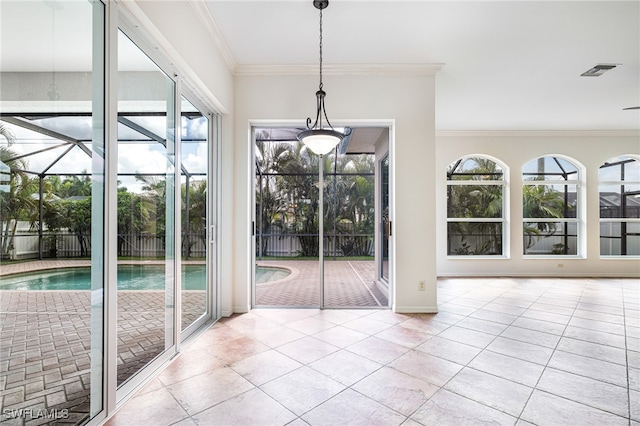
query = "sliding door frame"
x=390 y=283
x=118 y=19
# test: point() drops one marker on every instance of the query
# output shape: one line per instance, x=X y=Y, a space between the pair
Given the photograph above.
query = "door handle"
x=212 y=234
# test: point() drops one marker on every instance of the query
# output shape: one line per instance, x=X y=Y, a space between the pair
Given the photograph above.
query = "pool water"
x=130 y=277
x=269 y=273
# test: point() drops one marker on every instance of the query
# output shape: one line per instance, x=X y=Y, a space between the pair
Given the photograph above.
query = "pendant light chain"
x=320 y=49
x=317 y=138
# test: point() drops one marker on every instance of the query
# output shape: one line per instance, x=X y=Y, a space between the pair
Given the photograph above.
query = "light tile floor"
x=502 y=351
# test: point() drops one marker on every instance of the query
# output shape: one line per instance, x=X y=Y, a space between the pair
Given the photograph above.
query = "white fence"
x=26 y=245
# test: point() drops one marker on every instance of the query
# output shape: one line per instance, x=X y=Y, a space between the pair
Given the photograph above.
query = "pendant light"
x=317 y=138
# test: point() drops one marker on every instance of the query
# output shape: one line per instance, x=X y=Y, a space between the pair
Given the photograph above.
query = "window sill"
x=480 y=257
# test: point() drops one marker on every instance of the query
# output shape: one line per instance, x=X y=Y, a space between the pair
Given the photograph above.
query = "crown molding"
x=205 y=15
x=342 y=69
x=538 y=133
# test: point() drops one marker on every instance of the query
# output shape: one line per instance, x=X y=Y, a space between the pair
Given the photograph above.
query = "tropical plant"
x=18 y=202
x=132 y=217
x=477 y=202
x=79 y=214
x=154 y=203
x=7 y=133
x=72 y=186
x=287 y=196
x=543 y=202
x=297 y=186
x=271 y=205
x=194 y=214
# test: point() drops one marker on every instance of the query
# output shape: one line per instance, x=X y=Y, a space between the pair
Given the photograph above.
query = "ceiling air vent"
x=598 y=70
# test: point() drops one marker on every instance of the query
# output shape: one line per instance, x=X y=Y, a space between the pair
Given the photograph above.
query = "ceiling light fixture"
x=318 y=139
x=598 y=70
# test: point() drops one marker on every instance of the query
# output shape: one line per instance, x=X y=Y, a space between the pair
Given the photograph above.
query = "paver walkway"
x=348 y=283
x=45 y=345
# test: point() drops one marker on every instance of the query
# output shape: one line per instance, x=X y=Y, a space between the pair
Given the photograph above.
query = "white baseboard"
x=415 y=309
x=240 y=310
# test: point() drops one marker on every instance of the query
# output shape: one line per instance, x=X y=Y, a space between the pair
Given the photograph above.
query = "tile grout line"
x=626 y=351
x=547 y=366
x=466 y=365
x=535 y=387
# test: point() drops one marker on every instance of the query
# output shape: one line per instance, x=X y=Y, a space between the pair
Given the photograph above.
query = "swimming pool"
x=130 y=277
x=270 y=273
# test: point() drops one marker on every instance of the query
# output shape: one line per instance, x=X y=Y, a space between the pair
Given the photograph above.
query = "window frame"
x=578 y=220
x=503 y=219
x=621 y=182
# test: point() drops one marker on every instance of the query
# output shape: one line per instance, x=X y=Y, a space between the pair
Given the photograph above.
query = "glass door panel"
x=52 y=207
x=287 y=272
x=195 y=212
x=349 y=221
x=287 y=222
x=385 y=227
x=146 y=217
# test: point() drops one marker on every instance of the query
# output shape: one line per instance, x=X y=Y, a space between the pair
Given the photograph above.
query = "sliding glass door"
x=349 y=279
x=146 y=213
x=198 y=232
x=385 y=221
x=52 y=211
x=286 y=222
x=288 y=217
x=107 y=209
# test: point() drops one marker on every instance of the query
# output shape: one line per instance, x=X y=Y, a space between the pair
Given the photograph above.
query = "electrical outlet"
x=421 y=285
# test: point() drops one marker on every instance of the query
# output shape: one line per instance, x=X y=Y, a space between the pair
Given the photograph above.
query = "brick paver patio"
x=45 y=335
x=348 y=283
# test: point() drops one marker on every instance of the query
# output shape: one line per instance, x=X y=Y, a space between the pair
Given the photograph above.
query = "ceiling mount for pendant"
x=317 y=138
x=321 y=4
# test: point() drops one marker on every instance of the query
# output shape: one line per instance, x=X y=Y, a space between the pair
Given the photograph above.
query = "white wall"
x=184 y=34
x=406 y=102
x=514 y=149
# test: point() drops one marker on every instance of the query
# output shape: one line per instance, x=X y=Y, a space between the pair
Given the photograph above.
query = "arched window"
x=475 y=207
x=620 y=206
x=550 y=200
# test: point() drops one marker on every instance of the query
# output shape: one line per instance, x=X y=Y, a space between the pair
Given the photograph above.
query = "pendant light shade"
x=318 y=139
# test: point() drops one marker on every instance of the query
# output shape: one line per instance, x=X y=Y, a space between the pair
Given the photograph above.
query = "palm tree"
x=132 y=218
x=270 y=204
x=76 y=216
x=297 y=185
x=196 y=214
x=18 y=203
x=7 y=133
x=154 y=201
x=18 y=197
x=542 y=202
x=475 y=202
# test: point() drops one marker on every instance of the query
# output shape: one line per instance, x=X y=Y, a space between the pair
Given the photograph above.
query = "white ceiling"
x=508 y=65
